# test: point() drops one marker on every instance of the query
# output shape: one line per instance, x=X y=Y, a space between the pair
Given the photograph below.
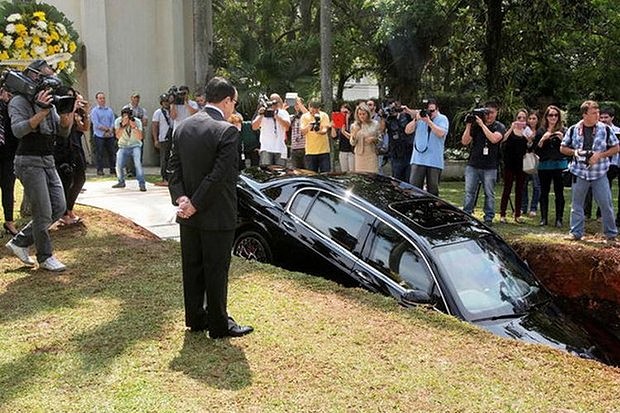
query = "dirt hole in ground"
x=586 y=279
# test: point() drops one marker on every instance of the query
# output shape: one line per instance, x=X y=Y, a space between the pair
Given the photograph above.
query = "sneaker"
x=502 y=220
x=119 y=185
x=142 y=188
x=532 y=213
x=52 y=264
x=21 y=253
x=572 y=237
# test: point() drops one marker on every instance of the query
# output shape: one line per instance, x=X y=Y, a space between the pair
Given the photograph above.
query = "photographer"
x=181 y=106
x=298 y=141
x=430 y=128
x=161 y=129
x=314 y=125
x=591 y=143
x=129 y=136
x=273 y=122
x=400 y=143
x=484 y=134
x=36 y=123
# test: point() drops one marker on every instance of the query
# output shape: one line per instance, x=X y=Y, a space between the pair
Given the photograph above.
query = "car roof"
x=437 y=220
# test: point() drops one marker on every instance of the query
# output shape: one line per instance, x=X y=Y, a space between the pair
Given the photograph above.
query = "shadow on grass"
x=136 y=280
x=217 y=363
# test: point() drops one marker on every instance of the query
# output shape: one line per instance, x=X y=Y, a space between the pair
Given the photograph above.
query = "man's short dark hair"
x=218 y=89
x=315 y=104
x=608 y=111
x=431 y=102
x=492 y=104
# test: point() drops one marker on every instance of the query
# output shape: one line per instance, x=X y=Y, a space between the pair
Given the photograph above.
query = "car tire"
x=253 y=247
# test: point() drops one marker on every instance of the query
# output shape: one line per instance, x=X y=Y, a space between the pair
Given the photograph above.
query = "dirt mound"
x=575 y=271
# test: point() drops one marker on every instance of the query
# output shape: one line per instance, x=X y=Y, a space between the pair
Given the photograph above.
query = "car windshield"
x=487 y=280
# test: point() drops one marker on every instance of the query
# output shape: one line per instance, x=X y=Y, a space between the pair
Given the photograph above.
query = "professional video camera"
x=316 y=125
x=390 y=111
x=268 y=105
x=18 y=83
x=479 y=112
x=176 y=95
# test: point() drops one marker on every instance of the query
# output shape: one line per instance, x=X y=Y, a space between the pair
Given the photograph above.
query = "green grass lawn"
x=108 y=335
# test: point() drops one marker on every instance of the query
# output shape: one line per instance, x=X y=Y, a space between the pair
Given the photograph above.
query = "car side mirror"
x=416 y=297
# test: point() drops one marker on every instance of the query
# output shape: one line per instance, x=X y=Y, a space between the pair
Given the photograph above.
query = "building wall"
x=132 y=45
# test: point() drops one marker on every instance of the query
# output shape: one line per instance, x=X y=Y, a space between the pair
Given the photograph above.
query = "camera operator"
x=181 y=106
x=591 y=143
x=298 y=141
x=129 y=135
x=484 y=134
x=400 y=143
x=314 y=125
x=273 y=122
x=140 y=113
x=430 y=128
x=36 y=123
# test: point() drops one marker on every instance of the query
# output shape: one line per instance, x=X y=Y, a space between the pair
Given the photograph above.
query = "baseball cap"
x=135 y=95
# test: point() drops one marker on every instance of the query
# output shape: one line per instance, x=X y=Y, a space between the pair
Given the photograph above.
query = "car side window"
x=300 y=204
x=396 y=257
x=337 y=219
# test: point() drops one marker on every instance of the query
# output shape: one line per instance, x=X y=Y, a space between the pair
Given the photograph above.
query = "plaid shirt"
x=574 y=140
x=298 y=141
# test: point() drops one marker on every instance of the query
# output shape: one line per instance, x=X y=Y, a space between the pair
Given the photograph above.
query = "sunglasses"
x=552 y=115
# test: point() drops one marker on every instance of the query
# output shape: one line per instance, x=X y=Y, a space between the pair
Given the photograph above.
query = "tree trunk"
x=493 y=47
x=203 y=41
x=326 y=65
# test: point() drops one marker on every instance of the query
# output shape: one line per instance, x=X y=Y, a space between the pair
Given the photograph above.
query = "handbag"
x=567 y=178
x=530 y=163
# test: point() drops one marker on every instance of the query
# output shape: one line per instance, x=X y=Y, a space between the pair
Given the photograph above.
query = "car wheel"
x=252 y=246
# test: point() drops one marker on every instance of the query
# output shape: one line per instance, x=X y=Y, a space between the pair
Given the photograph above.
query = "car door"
x=330 y=227
x=394 y=265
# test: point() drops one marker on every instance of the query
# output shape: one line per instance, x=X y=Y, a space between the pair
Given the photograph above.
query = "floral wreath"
x=35 y=31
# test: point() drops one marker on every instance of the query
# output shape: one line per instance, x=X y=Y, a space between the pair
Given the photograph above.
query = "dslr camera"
x=176 y=95
x=479 y=112
x=129 y=113
x=316 y=125
x=583 y=156
x=268 y=105
x=18 y=83
x=390 y=111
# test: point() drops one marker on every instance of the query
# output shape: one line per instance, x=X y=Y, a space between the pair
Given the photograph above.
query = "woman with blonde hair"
x=365 y=134
x=552 y=163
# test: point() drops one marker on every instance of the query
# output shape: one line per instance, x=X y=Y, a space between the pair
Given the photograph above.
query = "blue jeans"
x=318 y=163
x=486 y=177
x=43 y=187
x=121 y=160
x=533 y=207
x=602 y=195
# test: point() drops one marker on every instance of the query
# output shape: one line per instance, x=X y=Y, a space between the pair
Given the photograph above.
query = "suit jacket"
x=204 y=167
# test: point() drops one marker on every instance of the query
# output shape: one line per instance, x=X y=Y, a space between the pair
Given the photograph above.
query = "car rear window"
x=429 y=213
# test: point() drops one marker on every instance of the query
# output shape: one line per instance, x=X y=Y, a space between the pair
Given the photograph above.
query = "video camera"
x=176 y=95
x=316 y=125
x=479 y=112
x=264 y=102
x=18 y=83
x=390 y=111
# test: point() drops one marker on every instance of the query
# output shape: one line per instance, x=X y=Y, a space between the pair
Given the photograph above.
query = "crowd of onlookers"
x=536 y=148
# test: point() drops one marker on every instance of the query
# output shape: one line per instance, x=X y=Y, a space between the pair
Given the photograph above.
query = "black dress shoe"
x=543 y=222
x=234 y=330
x=558 y=223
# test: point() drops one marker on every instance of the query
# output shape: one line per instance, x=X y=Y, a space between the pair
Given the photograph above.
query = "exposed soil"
x=587 y=278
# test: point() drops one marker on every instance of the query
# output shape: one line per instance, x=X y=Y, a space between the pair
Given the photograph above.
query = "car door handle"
x=362 y=275
x=288 y=225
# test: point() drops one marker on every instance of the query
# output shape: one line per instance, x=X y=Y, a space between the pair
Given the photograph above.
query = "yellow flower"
x=48 y=39
x=20 y=28
x=4 y=55
x=24 y=54
x=19 y=43
x=36 y=40
x=61 y=65
x=50 y=50
x=72 y=47
x=39 y=15
x=56 y=48
x=54 y=35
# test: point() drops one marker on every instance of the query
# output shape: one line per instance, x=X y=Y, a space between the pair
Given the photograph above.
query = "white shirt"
x=273 y=134
x=158 y=116
x=183 y=112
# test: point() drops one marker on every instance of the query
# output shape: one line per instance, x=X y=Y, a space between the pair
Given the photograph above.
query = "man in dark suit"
x=203 y=175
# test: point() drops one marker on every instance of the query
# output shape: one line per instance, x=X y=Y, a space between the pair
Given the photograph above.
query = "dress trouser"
x=7 y=186
x=42 y=186
x=206 y=260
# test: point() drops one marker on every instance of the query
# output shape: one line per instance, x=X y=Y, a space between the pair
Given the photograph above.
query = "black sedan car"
x=398 y=240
